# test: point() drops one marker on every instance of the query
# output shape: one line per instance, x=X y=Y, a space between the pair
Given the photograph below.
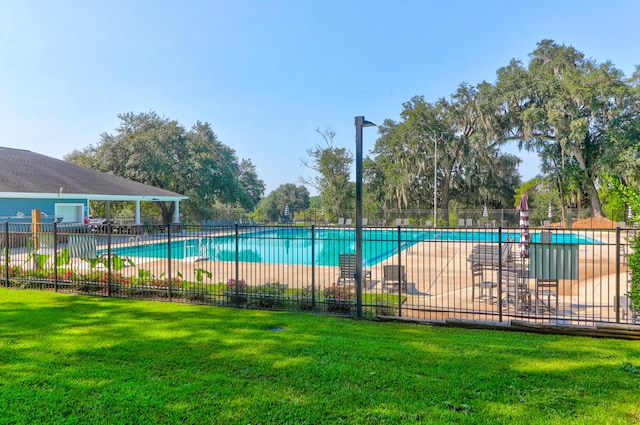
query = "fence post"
x=313 y=267
x=55 y=256
x=6 y=252
x=500 y=273
x=237 y=264
x=109 y=280
x=399 y=271
x=169 y=261
x=616 y=304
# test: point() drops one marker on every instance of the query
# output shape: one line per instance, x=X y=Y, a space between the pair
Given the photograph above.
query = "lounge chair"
x=347 y=265
x=83 y=247
x=468 y=222
x=365 y=221
x=394 y=276
x=341 y=221
x=347 y=222
x=490 y=255
x=398 y=222
x=45 y=250
x=461 y=222
x=45 y=243
x=485 y=287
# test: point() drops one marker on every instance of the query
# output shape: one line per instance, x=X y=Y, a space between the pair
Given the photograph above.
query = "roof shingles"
x=23 y=171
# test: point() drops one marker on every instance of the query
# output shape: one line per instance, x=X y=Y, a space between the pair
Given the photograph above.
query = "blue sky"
x=267 y=73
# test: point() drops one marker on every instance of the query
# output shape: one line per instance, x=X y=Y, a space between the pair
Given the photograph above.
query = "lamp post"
x=435 y=182
x=359 y=123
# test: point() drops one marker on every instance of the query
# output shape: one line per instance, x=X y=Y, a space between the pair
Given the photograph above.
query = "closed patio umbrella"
x=550 y=212
x=485 y=212
x=524 y=226
x=286 y=210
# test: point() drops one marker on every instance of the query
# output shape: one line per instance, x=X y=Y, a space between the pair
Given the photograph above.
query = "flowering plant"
x=236 y=292
x=239 y=285
x=65 y=276
x=339 y=299
x=339 y=293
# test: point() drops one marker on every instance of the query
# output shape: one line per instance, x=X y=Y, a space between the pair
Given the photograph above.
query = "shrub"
x=275 y=288
x=236 y=292
x=339 y=293
x=14 y=271
x=194 y=295
x=90 y=287
x=303 y=299
x=268 y=295
x=339 y=299
x=384 y=308
x=39 y=274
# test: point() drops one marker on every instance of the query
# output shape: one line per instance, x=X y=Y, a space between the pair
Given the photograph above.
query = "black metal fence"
x=451 y=218
x=476 y=274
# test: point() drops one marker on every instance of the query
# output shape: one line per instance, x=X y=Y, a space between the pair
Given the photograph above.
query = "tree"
x=287 y=195
x=475 y=170
x=404 y=157
x=332 y=165
x=159 y=152
x=450 y=136
x=562 y=103
x=624 y=135
x=251 y=187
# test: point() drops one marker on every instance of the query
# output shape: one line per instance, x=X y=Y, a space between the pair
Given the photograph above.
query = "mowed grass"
x=80 y=360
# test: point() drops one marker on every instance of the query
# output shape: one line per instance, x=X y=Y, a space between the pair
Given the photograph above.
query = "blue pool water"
x=294 y=245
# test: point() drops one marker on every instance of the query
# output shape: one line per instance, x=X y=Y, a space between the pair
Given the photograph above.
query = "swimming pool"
x=293 y=245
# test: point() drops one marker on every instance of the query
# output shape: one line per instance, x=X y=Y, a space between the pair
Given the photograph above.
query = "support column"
x=176 y=212
x=36 y=227
x=137 y=222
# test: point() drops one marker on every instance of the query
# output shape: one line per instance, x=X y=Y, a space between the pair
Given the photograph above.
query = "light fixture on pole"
x=360 y=122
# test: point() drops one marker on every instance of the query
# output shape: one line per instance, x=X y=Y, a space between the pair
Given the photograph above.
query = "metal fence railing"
x=441 y=218
x=572 y=277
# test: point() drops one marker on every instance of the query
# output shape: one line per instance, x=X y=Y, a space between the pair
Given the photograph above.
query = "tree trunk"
x=167 y=212
x=562 y=200
x=596 y=206
x=594 y=199
x=444 y=200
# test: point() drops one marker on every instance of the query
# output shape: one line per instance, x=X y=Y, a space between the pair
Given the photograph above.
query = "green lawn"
x=84 y=360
